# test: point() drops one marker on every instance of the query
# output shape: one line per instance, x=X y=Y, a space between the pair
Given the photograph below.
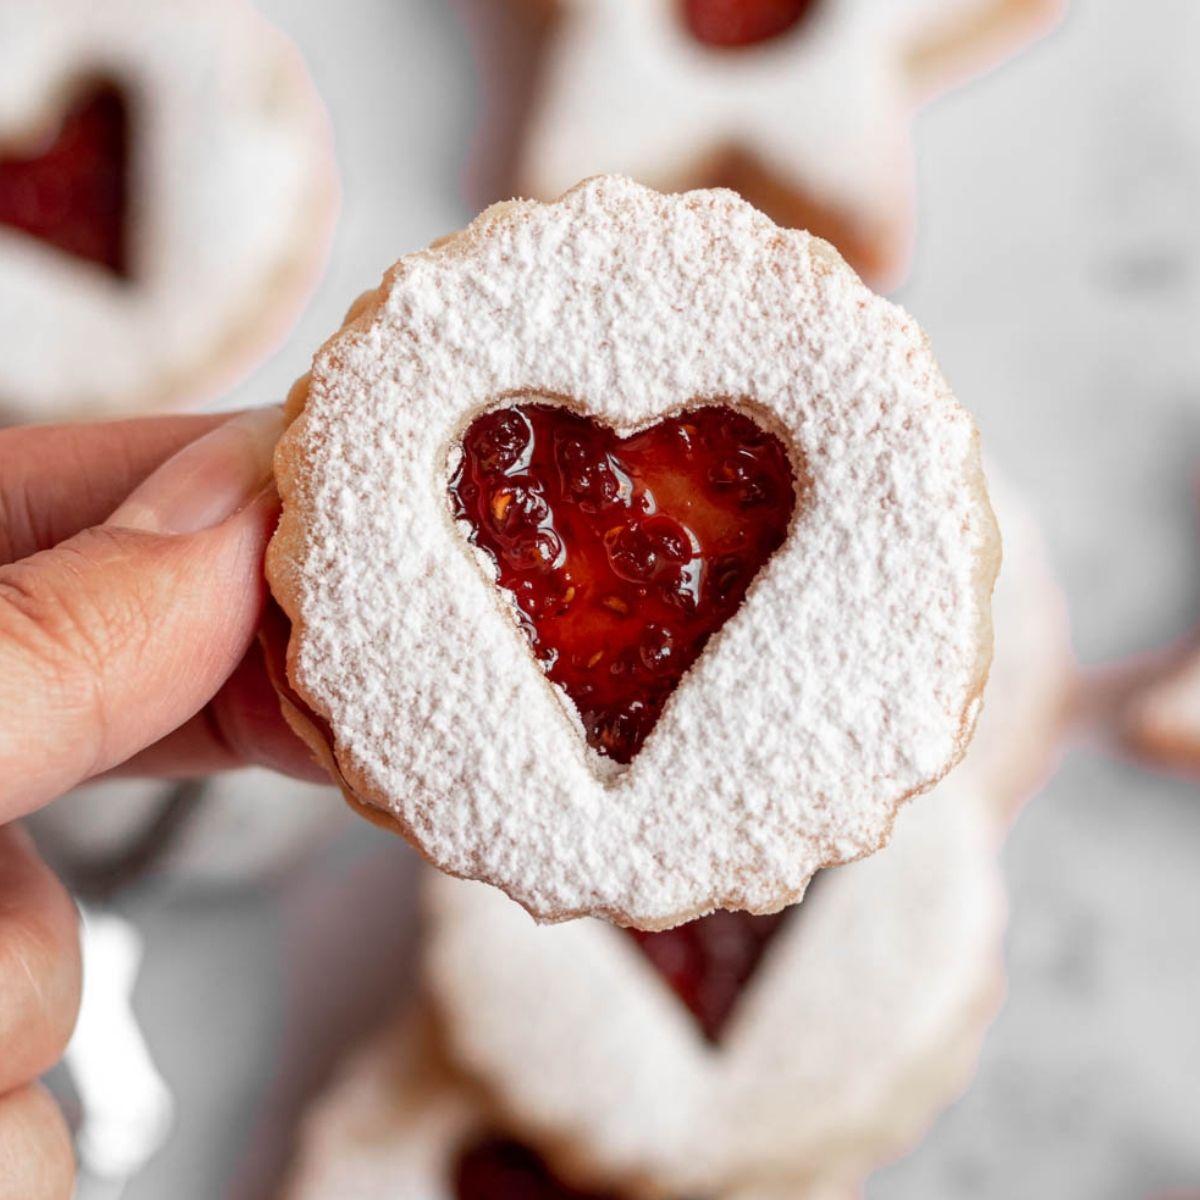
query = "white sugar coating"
x=232 y=193
x=862 y=1021
x=847 y=681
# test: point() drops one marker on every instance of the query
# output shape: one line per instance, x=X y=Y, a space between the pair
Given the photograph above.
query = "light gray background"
x=1058 y=274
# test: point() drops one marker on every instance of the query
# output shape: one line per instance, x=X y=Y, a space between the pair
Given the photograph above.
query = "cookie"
x=398 y=1124
x=391 y=1124
x=1161 y=719
x=643 y=1059
x=167 y=195
x=639 y=415
x=803 y=106
x=1033 y=679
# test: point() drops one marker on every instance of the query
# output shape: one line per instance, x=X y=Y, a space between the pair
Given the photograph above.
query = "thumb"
x=115 y=637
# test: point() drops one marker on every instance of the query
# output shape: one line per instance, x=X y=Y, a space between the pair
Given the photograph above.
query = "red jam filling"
x=736 y=23
x=499 y=1169
x=626 y=555
x=708 y=962
x=71 y=191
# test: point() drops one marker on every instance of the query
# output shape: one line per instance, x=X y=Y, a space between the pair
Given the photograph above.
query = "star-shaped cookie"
x=803 y=106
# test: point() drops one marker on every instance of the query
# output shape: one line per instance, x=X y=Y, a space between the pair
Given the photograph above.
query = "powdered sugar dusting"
x=853 y=667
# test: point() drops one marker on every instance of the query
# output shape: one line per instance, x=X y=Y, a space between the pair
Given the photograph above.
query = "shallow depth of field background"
x=1058 y=274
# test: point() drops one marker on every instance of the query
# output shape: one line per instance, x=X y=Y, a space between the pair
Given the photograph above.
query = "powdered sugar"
x=232 y=194
x=854 y=667
x=862 y=1021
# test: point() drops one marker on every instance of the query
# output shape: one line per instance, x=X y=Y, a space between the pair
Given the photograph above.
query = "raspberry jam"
x=624 y=556
x=708 y=962
x=735 y=23
x=499 y=1169
x=71 y=191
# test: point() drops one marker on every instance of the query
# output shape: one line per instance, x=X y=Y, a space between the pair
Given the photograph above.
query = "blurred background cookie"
x=802 y=106
x=737 y=1050
x=167 y=194
x=397 y=1123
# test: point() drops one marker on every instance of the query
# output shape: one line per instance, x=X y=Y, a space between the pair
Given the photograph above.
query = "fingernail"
x=209 y=480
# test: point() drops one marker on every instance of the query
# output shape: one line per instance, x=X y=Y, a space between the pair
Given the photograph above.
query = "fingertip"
x=209 y=480
x=40 y=963
x=37 y=1158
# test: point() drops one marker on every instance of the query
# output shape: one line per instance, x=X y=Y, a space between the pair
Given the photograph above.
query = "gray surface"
x=1057 y=274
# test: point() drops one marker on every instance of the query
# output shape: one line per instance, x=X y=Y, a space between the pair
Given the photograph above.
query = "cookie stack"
x=631 y=363
x=734 y=1056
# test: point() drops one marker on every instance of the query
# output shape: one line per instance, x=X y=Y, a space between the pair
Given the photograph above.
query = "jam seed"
x=500 y=505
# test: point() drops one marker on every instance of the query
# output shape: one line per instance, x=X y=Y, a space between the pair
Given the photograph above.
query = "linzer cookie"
x=398 y=1124
x=637 y=558
x=738 y=1051
x=393 y=1124
x=804 y=106
x=166 y=198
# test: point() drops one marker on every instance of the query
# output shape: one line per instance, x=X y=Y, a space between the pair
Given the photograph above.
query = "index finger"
x=56 y=480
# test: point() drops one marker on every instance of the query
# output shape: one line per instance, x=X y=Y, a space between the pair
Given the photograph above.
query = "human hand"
x=131 y=590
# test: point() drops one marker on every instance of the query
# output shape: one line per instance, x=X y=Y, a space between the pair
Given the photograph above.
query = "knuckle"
x=44 y=652
x=68 y=630
x=28 y=617
x=79 y=625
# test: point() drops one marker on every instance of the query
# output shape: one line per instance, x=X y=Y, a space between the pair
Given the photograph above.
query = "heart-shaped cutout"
x=735 y=23
x=623 y=555
x=497 y=1168
x=71 y=190
x=708 y=962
